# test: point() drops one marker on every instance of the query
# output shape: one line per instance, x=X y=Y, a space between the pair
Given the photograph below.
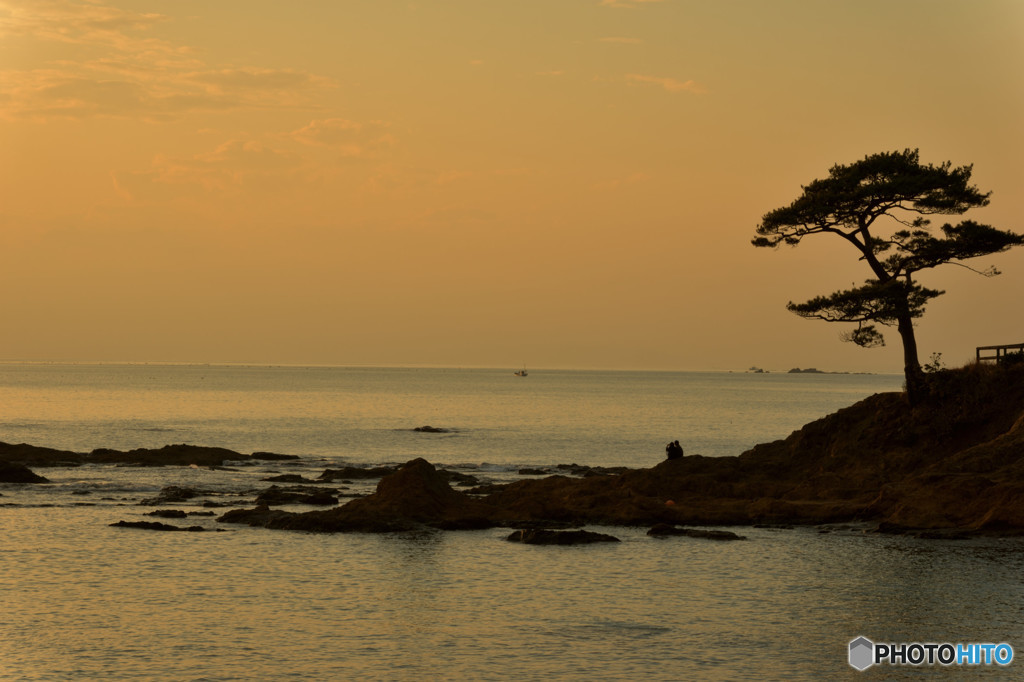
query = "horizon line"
x=315 y=365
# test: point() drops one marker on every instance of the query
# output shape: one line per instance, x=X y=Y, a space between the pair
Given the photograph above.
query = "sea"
x=81 y=600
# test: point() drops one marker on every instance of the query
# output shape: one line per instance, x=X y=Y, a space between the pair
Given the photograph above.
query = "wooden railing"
x=998 y=353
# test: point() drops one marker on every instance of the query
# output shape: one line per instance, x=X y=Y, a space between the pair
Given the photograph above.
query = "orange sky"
x=568 y=183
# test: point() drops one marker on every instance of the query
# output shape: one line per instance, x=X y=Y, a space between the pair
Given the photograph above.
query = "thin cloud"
x=350 y=138
x=621 y=40
x=230 y=166
x=81 y=93
x=74 y=22
x=122 y=72
x=669 y=84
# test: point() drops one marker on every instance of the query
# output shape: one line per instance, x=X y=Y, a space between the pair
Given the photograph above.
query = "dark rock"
x=487 y=488
x=169 y=495
x=272 y=457
x=168 y=513
x=533 y=472
x=420 y=492
x=664 y=530
x=356 y=473
x=412 y=497
x=155 y=525
x=430 y=429
x=322 y=497
x=547 y=525
x=169 y=455
x=18 y=473
x=260 y=516
x=581 y=470
x=299 y=495
x=287 y=478
x=179 y=455
x=38 y=456
x=540 y=536
x=460 y=478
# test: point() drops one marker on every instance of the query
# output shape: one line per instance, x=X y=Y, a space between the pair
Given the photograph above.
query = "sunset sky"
x=565 y=183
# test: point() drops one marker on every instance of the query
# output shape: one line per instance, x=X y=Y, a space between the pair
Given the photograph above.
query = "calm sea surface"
x=80 y=600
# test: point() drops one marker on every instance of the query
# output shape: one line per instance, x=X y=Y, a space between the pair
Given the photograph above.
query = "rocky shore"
x=169 y=455
x=950 y=467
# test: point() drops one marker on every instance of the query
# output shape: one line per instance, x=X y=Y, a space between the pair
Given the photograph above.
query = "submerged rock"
x=542 y=536
x=296 y=495
x=272 y=456
x=262 y=515
x=665 y=530
x=287 y=478
x=170 y=494
x=168 y=513
x=155 y=525
x=356 y=473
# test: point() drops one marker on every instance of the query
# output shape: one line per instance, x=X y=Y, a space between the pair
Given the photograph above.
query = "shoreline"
x=950 y=468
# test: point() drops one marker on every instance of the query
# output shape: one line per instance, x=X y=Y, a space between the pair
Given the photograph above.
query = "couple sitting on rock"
x=674 y=450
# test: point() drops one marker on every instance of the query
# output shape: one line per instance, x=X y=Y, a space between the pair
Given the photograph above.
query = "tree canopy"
x=850 y=204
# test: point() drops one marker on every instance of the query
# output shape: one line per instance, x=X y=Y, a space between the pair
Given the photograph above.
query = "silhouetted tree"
x=849 y=203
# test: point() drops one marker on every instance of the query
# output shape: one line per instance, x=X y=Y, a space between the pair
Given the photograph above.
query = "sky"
x=555 y=183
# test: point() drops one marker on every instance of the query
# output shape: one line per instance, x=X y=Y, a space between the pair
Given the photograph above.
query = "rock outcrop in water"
x=275 y=495
x=169 y=455
x=156 y=525
x=664 y=530
x=416 y=494
x=542 y=536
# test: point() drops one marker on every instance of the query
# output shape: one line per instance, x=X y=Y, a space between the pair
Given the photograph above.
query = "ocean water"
x=81 y=600
x=366 y=415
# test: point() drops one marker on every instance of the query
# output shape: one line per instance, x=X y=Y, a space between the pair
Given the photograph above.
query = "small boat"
x=521 y=373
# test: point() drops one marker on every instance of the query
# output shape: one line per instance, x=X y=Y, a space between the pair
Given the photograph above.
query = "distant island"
x=797 y=370
x=812 y=370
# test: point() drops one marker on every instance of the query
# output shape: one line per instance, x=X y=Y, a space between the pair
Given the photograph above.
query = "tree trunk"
x=917 y=390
